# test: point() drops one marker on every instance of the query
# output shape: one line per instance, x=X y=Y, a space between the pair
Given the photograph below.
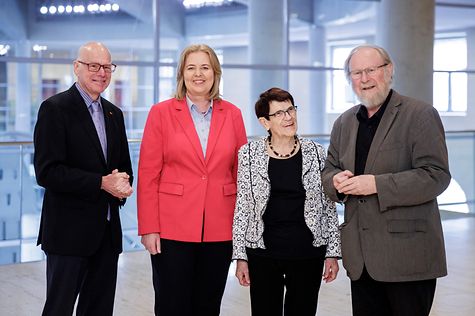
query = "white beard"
x=375 y=100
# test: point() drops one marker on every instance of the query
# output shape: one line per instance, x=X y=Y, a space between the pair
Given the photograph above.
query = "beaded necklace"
x=280 y=155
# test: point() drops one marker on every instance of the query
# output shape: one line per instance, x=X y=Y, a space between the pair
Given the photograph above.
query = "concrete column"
x=268 y=34
x=406 y=30
x=23 y=89
x=312 y=120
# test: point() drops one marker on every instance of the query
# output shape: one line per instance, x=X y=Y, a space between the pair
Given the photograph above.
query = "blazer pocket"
x=230 y=189
x=407 y=225
x=171 y=188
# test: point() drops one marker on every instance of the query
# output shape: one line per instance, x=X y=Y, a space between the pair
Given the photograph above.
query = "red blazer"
x=181 y=194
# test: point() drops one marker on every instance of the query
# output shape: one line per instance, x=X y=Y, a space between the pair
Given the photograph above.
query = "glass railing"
x=21 y=197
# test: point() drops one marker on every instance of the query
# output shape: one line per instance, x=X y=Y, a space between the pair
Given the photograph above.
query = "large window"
x=341 y=94
x=450 y=84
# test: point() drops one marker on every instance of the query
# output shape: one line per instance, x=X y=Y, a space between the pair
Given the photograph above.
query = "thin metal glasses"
x=370 y=71
x=94 y=67
x=280 y=114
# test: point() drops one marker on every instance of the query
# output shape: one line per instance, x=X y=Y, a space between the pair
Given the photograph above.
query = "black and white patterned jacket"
x=253 y=192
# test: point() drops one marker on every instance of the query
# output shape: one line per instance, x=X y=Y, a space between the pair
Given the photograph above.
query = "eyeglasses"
x=93 y=67
x=281 y=113
x=370 y=71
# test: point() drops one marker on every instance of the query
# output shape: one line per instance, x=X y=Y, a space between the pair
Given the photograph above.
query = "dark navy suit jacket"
x=69 y=164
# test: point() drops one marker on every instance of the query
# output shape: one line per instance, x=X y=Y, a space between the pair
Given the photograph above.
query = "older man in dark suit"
x=82 y=160
x=387 y=162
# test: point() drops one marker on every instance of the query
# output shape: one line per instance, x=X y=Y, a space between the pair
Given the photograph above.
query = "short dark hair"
x=273 y=94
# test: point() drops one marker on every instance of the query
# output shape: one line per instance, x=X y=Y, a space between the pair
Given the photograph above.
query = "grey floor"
x=22 y=286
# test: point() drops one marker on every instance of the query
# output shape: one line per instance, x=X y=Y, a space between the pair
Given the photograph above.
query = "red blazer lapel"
x=183 y=117
x=217 y=122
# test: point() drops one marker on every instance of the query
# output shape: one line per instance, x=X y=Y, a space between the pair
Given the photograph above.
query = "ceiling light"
x=4 y=49
x=39 y=48
x=93 y=8
x=90 y=7
x=191 y=4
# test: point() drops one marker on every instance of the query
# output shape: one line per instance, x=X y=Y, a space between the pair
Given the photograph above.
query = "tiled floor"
x=22 y=286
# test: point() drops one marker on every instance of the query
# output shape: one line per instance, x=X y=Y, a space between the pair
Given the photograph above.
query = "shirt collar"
x=362 y=114
x=194 y=108
x=87 y=99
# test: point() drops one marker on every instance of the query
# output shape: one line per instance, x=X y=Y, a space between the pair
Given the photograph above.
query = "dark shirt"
x=366 y=131
x=286 y=235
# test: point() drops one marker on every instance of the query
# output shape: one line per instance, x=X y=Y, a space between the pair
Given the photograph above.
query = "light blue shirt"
x=202 y=122
x=87 y=99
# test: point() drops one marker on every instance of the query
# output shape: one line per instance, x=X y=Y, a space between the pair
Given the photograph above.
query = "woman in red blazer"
x=187 y=188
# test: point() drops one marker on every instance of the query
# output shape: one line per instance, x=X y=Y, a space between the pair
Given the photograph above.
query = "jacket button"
x=203 y=177
x=362 y=201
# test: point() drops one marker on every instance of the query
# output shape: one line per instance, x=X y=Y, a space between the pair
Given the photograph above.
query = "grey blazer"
x=396 y=233
x=254 y=191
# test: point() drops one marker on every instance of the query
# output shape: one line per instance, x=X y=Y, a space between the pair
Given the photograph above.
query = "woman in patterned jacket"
x=285 y=229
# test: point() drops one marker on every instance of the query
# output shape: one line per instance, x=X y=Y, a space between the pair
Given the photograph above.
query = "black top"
x=366 y=131
x=285 y=233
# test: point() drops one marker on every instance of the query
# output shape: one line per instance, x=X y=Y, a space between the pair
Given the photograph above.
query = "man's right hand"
x=117 y=184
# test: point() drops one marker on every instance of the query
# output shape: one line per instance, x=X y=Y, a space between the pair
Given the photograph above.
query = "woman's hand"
x=242 y=273
x=331 y=269
x=151 y=242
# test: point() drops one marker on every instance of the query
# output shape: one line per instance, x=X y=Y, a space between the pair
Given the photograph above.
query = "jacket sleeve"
x=428 y=173
x=332 y=166
x=329 y=209
x=241 y=137
x=243 y=204
x=125 y=165
x=53 y=171
x=149 y=171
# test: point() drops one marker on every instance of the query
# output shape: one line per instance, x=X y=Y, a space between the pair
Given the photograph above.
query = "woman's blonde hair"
x=180 y=92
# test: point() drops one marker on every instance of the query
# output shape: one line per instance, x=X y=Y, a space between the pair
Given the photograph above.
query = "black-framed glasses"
x=95 y=67
x=370 y=71
x=280 y=114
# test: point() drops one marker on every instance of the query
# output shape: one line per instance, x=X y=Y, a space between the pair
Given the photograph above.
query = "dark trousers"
x=375 y=298
x=93 y=278
x=189 y=278
x=301 y=279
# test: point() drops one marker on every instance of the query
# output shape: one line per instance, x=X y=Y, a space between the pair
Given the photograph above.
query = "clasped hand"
x=117 y=184
x=347 y=183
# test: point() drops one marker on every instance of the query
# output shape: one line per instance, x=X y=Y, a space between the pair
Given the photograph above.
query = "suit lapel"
x=217 y=122
x=349 y=141
x=183 y=116
x=383 y=129
x=307 y=155
x=262 y=160
x=84 y=116
x=110 y=127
